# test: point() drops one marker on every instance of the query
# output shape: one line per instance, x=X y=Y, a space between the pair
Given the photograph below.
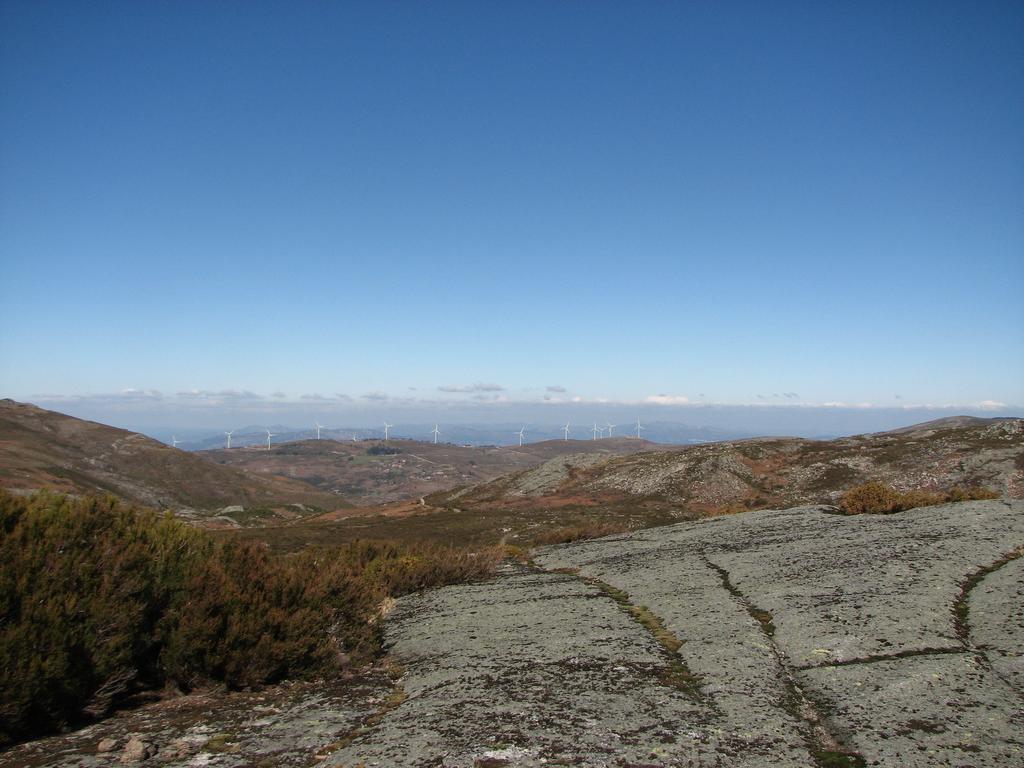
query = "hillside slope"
x=371 y=472
x=45 y=449
x=772 y=471
x=586 y=494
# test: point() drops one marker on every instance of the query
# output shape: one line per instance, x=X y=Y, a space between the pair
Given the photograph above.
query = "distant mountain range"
x=672 y=433
x=320 y=479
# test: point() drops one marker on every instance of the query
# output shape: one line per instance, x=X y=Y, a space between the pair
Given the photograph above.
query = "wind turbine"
x=229 y=434
x=595 y=430
x=319 y=426
x=610 y=428
x=269 y=435
x=174 y=441
x=435 y=432
x=520 y=433
x=566 y=429
x=638 y=427
x=386 y=428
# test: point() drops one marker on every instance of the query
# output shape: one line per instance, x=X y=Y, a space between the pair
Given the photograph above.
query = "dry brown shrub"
x=870 y=498
x=971 y=493
x=578 y=532
x=918 y=498
x=881 y=499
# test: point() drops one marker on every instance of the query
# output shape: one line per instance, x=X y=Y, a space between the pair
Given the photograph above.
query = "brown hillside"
x=573 y=495
x=355 y=471
x=45 y=449
x=780 y=471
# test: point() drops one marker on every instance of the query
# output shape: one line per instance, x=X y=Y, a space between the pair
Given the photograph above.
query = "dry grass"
x=566 y=534
x=882 y=499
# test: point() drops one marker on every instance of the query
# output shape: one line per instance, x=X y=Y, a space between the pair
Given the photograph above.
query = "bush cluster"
x=879 y=498
x=594 y=530
x=100 y=599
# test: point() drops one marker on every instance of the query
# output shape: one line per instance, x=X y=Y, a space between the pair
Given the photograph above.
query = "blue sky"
x=660 y=204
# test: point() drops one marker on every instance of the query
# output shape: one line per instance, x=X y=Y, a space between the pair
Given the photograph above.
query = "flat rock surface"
x=769 y=638
x=773 y=638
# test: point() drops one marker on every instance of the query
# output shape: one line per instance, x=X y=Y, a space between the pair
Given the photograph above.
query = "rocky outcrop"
x=774 y=638
x=773 y=472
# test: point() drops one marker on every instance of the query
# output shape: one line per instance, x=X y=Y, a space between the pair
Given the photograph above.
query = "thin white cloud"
x=491 y=398
x=991 y=405
x=223 y=395
x=667 y=399
x=468 y=388
x=139 y=394
x=128 y=395
x=555 y=388
x=479 y=396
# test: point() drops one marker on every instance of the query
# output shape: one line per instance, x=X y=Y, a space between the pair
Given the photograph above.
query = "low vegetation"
x=382 y=450
x=879 y=498
x=564 y=535
x=100 y=600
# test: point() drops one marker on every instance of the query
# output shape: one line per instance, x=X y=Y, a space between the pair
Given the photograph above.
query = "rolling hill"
x=776 y=471
x=41 y=449
x=371 y=472
x=669 y=484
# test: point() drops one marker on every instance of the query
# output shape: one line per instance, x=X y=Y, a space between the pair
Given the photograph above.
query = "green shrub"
x=99 y=599
x=878 y=498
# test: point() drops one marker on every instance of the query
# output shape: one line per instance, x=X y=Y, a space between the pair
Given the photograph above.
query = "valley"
x=572 y=493
x=375 y=472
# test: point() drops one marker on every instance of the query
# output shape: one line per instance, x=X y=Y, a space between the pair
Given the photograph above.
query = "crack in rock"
x=881 y=657
x=961 y=609
x=675 y=672
x=962 y=618
x=824 y=747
